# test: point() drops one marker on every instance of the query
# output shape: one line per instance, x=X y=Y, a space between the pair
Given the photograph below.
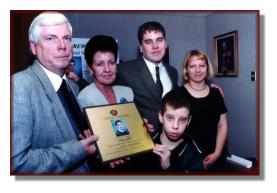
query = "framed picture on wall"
x=226 y=54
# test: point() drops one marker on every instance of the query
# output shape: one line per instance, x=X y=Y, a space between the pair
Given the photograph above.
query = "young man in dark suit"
x=148 y=76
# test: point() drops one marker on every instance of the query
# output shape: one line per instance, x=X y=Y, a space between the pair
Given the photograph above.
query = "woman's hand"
x=116 y=163
x=150 y=128
x=210 y=160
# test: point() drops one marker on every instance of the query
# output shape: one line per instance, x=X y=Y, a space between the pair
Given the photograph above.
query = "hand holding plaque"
x=120 y=130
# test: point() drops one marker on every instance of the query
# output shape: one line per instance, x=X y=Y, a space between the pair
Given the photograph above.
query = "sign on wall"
x=79 y=62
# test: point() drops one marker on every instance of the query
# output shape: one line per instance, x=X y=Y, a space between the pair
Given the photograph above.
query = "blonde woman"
x=208 y=125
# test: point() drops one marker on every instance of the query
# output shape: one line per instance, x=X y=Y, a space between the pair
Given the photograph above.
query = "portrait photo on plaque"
x=120 y=127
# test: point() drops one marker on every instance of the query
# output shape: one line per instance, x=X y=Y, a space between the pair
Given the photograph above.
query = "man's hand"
x=89 y=144
x=88 y=140
x=87 y=134
x=71 y=74
x=218 y=88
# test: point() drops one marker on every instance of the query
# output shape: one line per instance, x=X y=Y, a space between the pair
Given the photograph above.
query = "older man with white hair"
x=46 y=126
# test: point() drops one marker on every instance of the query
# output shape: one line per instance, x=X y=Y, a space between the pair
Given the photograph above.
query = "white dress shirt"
x=55 y=79
x=166 y=82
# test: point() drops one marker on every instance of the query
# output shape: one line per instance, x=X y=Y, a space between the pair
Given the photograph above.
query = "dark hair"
x=117 y=121
x=150 y=26
x=100 y=43
x=175 y=99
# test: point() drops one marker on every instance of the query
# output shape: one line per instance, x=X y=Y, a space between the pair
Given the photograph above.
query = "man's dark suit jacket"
x=136 y=75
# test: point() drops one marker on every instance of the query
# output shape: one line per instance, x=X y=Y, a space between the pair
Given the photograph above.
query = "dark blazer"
x=136 y=75
x=43 y=140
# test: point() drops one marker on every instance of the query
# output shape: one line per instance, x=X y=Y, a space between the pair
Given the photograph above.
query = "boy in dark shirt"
x=175 y=150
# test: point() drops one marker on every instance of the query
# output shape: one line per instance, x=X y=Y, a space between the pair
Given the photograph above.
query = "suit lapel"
x=147 y=79
x=171 y=76
x=57 y=107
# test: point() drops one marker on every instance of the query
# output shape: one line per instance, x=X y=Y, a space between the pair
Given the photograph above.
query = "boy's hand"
x=164 y=153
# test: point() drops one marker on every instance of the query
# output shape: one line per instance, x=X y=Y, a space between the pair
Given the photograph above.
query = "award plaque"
x=120 y=130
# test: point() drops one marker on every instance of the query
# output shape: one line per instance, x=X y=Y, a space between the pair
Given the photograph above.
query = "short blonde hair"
x=201 y=56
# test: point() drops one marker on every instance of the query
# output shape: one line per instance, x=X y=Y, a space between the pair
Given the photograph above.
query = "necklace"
x=197 y=89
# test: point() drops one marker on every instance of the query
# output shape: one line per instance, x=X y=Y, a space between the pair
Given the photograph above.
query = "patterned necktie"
x=158 y=80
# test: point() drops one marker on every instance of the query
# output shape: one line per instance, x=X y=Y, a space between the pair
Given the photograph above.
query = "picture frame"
x=226 y=54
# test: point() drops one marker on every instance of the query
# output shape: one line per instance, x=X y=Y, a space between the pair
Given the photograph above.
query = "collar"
x=151 y=66
x=55 y=79
x=181 y=147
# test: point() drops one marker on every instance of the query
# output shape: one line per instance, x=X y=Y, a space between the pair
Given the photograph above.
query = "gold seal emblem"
x=113 y=112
